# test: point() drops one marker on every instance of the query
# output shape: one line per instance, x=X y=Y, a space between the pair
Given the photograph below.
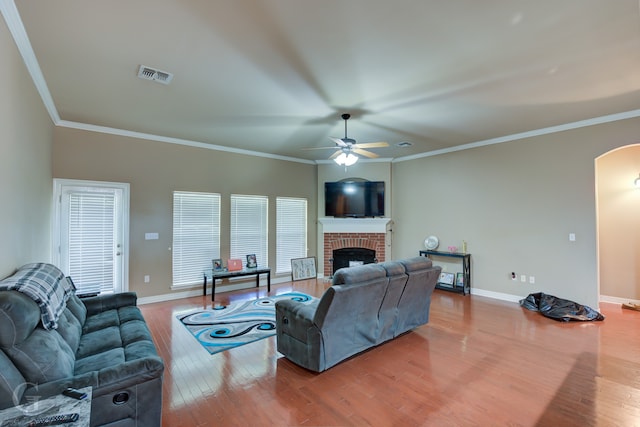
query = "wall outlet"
x=147 y=279
x=523 y=278
x=532 y=279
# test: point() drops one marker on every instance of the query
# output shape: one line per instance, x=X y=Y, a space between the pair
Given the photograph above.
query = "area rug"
x=224 y=327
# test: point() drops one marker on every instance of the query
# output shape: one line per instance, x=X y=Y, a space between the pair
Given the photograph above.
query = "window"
x=249 y=228
x=291 y=231
x=196 y=235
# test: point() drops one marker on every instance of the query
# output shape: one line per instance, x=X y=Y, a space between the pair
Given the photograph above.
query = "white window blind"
x=291 y=231
x=196 y=235
x=91 y=240
x=249 y=228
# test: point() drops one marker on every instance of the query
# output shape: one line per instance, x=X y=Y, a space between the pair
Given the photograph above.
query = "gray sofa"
x=50 y=339
x=365 y=306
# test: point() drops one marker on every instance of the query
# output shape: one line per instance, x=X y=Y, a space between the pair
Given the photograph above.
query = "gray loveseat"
x=365 y=306
x=50 y=339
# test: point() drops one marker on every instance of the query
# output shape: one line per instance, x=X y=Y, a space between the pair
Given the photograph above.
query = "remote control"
x=76 y=394
x=54 y=420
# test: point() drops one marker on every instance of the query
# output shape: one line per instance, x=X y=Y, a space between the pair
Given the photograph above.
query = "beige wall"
x=618 y=222
x=515 y=204
x=25 y=164
x=156 y=169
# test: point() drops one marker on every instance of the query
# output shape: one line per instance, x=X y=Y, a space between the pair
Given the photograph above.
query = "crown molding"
x=529 y=134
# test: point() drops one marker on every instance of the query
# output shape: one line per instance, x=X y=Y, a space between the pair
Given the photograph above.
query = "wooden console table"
x=466 y=269
x=223 y=274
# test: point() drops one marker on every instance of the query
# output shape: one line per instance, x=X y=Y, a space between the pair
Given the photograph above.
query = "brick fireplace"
x=341 y=233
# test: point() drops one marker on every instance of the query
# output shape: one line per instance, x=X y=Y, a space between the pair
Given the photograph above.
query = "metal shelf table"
x=466 y=269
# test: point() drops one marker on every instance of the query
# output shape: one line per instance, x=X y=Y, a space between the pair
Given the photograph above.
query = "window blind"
x=249 y=228
x=291 y=231
x=196 y=235
x=91 y=240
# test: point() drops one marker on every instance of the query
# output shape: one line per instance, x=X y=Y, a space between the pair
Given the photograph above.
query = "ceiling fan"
x=346 y=147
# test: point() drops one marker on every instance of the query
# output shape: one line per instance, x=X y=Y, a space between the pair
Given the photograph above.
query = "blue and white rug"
x=239 y=323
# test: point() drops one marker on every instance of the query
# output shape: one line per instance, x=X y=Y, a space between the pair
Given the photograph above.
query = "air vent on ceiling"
x=155 y=75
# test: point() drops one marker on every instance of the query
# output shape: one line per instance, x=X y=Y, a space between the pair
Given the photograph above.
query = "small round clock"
x=431 y=242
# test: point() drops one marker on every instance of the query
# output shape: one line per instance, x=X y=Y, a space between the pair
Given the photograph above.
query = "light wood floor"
x=479 y=362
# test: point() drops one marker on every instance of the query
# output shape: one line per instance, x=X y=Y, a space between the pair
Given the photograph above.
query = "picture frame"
x=446 y=279
x=303 y=268
x=217 y=264
x=252 y=261
x=459 y=280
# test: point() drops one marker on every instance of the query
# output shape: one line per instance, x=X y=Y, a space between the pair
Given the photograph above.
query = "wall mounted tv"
x=355 y=199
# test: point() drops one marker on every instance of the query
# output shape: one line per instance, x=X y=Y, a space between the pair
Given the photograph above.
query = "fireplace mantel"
x=354 y=225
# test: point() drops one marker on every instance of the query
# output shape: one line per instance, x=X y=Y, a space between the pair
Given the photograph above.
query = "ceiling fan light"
x=350 y=159
x=346 y=159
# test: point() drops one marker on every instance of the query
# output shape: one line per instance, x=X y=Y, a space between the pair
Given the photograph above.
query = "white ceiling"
x=274 y=76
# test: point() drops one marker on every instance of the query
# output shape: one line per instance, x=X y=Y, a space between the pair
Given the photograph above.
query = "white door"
x=91 y=233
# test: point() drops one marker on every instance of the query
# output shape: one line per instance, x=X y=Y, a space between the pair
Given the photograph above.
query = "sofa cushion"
x=416 y=263
x=358 y=274
x=19 y=316
x=388 y=314
x=101 y=321
x=44 y=356
x=12 y=383
x=77 y=308
x=96 y=362
x=99 y=341
x=46 y=285
x=70 y=329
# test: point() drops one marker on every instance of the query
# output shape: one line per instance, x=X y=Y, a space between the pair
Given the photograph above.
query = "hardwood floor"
x=479 y=362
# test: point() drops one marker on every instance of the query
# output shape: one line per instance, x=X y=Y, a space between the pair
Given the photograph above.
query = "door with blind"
x=91 y=234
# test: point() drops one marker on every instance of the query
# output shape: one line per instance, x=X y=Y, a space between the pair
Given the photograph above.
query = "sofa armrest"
x=106 y=380
x=102 y=303
x=129 y=374
x=295 y=318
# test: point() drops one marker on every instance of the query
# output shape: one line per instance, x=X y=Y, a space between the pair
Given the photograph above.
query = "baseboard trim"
x=617 y=300
x=496 y=295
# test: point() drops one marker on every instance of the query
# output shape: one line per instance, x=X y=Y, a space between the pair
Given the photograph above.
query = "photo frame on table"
x=252 y=261
x=303 y=268
x=459 y=280
x=446 y=279
x=217 y=264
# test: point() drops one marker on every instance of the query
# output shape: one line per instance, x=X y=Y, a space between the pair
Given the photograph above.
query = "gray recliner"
x=365 y=306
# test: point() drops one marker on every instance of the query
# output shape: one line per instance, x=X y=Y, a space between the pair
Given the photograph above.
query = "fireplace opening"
x=347 y=257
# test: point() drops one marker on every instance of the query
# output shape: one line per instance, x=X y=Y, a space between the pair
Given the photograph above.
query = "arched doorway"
x=618 y=224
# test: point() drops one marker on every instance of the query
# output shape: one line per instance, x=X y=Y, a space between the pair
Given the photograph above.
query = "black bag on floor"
x=558 y=308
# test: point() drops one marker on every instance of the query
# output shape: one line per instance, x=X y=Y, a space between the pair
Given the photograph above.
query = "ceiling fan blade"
x=338 y=141
x=321 y=148
x=372 y=145
x=334 y=155
x=365 y=153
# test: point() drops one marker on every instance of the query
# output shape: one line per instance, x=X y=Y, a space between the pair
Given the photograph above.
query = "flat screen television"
x=355 y=199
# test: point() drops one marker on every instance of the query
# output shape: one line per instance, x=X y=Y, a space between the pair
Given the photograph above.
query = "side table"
x=466 y=269
x=224 y=274
x=19 y=416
